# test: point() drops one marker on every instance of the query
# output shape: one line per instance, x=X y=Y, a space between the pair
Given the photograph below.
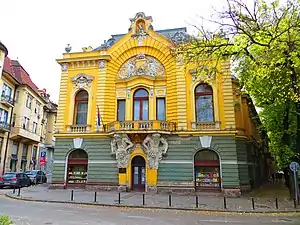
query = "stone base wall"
x=232 y=192
x=176 y=189
x=101 y=188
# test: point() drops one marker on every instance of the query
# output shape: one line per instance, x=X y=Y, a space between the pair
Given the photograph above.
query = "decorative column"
x=121 y=148
x=155 y=146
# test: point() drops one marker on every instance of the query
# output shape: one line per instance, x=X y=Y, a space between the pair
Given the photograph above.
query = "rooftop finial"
x=68 y=48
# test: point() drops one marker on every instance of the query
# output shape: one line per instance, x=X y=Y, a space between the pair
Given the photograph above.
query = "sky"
x=36 y=32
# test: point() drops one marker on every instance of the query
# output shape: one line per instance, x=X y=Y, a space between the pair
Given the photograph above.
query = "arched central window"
x=204 y=103
x=81 y=107
x=140 y=105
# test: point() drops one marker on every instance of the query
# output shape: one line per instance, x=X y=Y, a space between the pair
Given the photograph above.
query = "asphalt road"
x=31 y=213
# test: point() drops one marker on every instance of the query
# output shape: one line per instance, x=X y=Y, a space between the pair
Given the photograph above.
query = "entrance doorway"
x=138 y=173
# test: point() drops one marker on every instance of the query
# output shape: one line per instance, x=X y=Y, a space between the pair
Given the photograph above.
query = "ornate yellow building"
x=132 y=116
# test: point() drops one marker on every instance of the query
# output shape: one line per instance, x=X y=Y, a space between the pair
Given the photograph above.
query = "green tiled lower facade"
x=239 y=167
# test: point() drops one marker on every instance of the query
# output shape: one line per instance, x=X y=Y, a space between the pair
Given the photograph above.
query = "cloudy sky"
x=36 y=32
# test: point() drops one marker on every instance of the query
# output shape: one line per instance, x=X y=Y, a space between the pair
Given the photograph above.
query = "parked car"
x=36 y=176
x=15 y=179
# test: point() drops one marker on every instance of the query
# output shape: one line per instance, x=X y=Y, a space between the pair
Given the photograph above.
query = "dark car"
x=36 y=176
x=15 y=179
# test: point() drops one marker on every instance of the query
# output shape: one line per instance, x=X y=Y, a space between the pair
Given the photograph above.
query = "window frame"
x=140 y=99
x=29 y=99
x=118 y=109
x=77 y=101
x=205 y=93
x=164 y=100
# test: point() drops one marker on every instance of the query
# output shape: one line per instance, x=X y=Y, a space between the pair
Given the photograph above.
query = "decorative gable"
x=141 y=65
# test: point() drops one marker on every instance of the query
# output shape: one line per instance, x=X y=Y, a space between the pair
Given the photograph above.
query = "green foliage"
x=4 y=220
x=263 y=42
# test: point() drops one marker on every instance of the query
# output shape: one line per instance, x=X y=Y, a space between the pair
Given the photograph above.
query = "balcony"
x=78 y=128
x=142 y=126
x=7 y=100
x=206 y=125
x=24 y=135
x=4 y=126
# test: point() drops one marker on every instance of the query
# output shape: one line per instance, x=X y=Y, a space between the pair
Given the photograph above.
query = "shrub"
x=4 y=220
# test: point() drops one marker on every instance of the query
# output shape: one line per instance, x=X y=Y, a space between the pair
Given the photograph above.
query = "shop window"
x=207 y=170
x=204 y=103
x=81 y=108
x=160 y=109
x=77 y=167
x=140 y=105
x=121 y=110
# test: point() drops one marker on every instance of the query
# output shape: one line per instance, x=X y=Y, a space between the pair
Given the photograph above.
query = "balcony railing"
x=206 y=125
x=147 y=125
x=8 y=100
x=78 y=128
x=4 y=126
x=19 y=132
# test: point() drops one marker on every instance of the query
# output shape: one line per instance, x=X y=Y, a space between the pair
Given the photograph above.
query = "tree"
x=4 y=220
x=262 y=40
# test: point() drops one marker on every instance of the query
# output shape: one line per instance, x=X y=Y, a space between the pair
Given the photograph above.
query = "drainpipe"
x=8 y=135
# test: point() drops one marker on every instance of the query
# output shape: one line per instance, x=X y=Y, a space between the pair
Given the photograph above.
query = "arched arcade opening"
x=77 y=167
x=207 y=170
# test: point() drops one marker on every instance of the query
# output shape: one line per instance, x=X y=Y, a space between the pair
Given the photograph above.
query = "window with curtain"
x=204 y=103
x=160 y=109
x=140 y=105
x=81 y=108
x=121 y=110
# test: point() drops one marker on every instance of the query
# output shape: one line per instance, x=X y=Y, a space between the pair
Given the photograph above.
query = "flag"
x=98 y=118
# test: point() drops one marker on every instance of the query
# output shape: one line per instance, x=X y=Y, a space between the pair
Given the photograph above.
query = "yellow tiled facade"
x=135 y=87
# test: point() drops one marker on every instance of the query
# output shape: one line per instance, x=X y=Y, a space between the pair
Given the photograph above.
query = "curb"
x=154 y=207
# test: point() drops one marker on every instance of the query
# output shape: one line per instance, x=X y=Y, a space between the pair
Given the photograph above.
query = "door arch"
x=207 y=170
x=138 y=169
x=77 y=167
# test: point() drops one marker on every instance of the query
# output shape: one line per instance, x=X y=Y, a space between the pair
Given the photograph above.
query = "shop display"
x=206 y=179
x=77 y=174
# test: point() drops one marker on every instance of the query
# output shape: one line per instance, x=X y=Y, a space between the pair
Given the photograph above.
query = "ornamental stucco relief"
x=82 y=81
x=155 y=146
x=121 y=147
x=141 y=65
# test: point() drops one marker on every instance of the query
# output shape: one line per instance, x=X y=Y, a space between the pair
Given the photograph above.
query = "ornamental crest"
x=82 y=81
x=141 y=65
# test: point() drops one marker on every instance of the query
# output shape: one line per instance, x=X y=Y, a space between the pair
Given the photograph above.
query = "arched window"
x=140 y=105
x=81 y=107
x=204 y=103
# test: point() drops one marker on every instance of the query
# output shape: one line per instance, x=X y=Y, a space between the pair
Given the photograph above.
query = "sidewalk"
x=135 y=199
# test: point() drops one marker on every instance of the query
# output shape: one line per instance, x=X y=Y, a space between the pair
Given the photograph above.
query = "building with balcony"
x=22 y=112
x=132 y=116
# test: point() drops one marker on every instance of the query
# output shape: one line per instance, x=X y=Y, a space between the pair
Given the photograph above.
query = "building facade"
x=132 y=116
x=22 y=116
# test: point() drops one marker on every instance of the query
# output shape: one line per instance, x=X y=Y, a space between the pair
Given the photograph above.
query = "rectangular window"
x=15 y=148
x=17 y=96
x=34 y=152
x=121 y=110
x=6 y=91
x=26 y=123
x=81 y=113
x=13 y=122
x=37 y=108
x=34 y=129
x=3 y=116
x=160 y=109
x=29 y=101
x=25 y=151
